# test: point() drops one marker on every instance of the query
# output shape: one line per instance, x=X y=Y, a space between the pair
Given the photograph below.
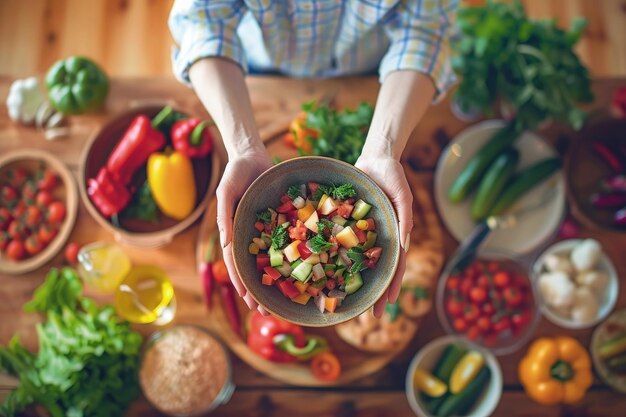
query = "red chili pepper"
x=206 y=270
x=192 y=138
x=141 y=139
x=107 y=194
x=264 y=335
x=602 y=150
x=229 y=302
x=618 y=103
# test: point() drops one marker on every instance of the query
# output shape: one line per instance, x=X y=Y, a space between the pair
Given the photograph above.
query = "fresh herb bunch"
x=142 y=205
x=279 y=237
x=528 y=64
x=338 y=192
x=87 y=362
x=341 y=133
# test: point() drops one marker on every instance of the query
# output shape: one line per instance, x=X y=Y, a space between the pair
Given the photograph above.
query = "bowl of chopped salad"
x=315 y=241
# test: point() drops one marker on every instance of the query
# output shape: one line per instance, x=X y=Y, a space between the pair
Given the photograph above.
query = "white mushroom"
x=554 y=263
x=585 y=307
x=557 y=289
x=596 y=281
x=586 y=255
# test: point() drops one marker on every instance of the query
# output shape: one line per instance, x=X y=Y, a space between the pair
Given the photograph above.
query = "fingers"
x=262 y=311
x=379 y=307
x=396 y=283
x=404 y=207
x=227 y=254
x=225 y=205
x=252 y=305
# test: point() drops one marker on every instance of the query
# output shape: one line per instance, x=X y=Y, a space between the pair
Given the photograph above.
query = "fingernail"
x=407 y=242
x=223 y=243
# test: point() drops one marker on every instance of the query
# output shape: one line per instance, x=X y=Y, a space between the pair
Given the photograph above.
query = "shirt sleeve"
x=203 y=28
x=419 y=32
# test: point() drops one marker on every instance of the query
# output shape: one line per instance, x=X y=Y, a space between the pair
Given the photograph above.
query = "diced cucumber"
x=361 y=208
x=339 y=271
x=285 y=269
x=276 y=256
x=308 y=278
x=286 y=225
x=295 y=263
x=302 y=271
x=370 y=240
x=353 y=282
x=339 y=220
x=320 y=283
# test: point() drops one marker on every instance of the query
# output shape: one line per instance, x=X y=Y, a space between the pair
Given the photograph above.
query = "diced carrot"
x=330 y=304
x=301 y=286
x=302 y=298
x=313 y=290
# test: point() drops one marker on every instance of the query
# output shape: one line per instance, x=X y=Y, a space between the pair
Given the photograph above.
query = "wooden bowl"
x=134 y=231
x=265 y=192
x=66 y=192
x=584 y=169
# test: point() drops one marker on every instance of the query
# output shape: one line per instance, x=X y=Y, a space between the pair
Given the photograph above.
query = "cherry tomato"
x=502 y=279
x=471 y=312
x=502 y=325
x=9 y=195
x=32 y=245
x=16 y=229
x=326 y=367
x=484 y=324
x=488 y=309
x=478 y=295
x=473 y=333
x=453 y=282
x=29 y=191
x=43 y=198
x=5 y=218
x=33 y=216
x=513 y=297
x=466 y=286
x=454 y=306
x=15 y=250
x=220 y=272
x=490 y=340
x=56 y=212
x=493 y=266
x=19 y=209
x=483 y=281
x=4 y=240
x=46 y=233
x=520 y=319
x=71 y=253
x=48 y=179
x=17 y=177
x=331 y=284
x=460 y=325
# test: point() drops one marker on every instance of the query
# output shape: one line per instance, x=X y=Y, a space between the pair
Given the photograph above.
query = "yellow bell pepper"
x=556 y=370
x=172 y=184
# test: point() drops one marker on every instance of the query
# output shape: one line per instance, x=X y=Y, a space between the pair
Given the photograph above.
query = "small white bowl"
x=605 y=306
x=427 y=357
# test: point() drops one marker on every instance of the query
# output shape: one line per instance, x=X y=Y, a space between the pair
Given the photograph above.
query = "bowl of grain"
x=185 y=371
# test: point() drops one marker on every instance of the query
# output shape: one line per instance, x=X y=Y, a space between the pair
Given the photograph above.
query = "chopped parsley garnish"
x=324 y=224
x=264 y=216
x=279 y=237
x=319 y=244
x=338 y=192
x=356 y=256
x=294 y=191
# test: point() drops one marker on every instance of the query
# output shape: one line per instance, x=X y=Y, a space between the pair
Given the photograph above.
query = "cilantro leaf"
x=264 y=216
x=319 y=244
x=294 y=191
x=279 y=237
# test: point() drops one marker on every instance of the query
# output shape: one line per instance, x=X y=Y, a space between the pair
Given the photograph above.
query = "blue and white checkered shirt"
x=317 y=38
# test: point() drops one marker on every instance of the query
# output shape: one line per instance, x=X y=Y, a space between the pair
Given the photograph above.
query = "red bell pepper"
x=141 y=139
x=288 y=289
x=107 y=194
x=279 y=341
x=192 y=138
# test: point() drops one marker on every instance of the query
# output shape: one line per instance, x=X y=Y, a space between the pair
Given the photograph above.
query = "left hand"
x=389 y=175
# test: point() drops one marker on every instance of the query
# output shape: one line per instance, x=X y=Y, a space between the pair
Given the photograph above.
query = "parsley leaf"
x=319 y=244
x=324 y=224
x=341 y=192
x=355 y=254
x=294 y=191
x=279 y=237
x=264 y=216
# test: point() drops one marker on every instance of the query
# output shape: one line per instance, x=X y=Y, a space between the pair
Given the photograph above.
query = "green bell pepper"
x=76 y=85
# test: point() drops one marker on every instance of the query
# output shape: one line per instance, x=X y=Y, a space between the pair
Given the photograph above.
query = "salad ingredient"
x=229 y=303
x=618 y=103
x=192 y=138
x=462 y=402
x=326 y=367
x=524 y=182
x=443 y=371
x=108 y=194
x=586 y=255
x=172 y=183
x=76 y=85
x=184 y=371
x=299 y=135
x=71 y=253
x=15 y=249
x=585 y=306
x=466 y=370
x=428 y=384
x=556 y=263
x=476 y=167
x=596 y=281
x=279 y=341
x=493 y=183
x=206 y=270
x=608 y=156
x=556 y=370
x=142 y=205
x=557 y=289
x=24 y=100
x=617 y=365
x=87 y=361
x=613 y=347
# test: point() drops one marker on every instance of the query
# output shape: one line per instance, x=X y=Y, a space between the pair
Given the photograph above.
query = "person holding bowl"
x=218 y=42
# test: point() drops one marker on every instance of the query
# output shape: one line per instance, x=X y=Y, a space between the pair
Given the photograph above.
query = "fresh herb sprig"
x=264 y=216
x=324 y=224
x=338 y=192
x=319 y=244
x=280 y=237
x=356 y=255
x=294 y=191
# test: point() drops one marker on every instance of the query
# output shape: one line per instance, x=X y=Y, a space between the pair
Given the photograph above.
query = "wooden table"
x=275 y=101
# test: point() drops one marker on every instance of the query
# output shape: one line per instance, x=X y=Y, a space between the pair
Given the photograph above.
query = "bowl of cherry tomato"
x=38 y=205
x=491 y=302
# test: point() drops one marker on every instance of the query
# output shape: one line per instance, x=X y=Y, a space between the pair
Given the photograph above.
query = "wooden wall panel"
x=131 y=38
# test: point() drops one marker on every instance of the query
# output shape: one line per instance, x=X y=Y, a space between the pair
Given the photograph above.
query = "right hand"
x=239 y=173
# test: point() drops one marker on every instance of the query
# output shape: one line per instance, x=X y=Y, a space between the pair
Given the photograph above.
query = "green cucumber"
x=475 y=168
x=443 y=370
x=461 y=403
x=339 y=220
x=302 y=271
x=524 y=182
x=361 y=208
x=492 y=184
x=617 y=364
x=276 y=257
x=370 y=240
x=613 y=347
x=353 y=282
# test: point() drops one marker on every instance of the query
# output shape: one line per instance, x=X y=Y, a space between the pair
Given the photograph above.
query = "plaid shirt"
x=317 y=38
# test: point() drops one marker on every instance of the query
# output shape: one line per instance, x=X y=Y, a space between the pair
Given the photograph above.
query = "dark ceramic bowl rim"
x=395 y=231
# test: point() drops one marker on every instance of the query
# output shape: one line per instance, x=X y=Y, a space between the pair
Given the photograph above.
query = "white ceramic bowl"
x=427 y=357
x=606 y=305
x=535 y=227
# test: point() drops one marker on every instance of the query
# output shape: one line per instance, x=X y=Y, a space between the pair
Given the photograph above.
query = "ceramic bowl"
x=605 y=306
x=427 y=357
x=265 y=192
x=133 y=231
x=31 y=159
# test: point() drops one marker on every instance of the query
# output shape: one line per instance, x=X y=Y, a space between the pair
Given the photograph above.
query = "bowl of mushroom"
x=577 y=283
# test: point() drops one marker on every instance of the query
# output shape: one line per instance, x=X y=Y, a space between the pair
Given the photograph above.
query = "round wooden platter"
x=66 y=192
x=356 y=364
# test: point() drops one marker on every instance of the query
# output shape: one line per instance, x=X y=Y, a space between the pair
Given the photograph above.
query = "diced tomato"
x=285 y=198
x=313 y=186
x=371 y=225
x=288 y=289
x=267 y=280
x=349 y=201
x=373 y=253
x=331 y=304
x=262 y=260
x=370 y=263
x=286 y=207
x=259 y=226
x=304 y=250
x=298 y=232
x=360 y=234
x=313 y=291
x=331 y=284
x=292 y=216
x=345 y=210
x=272 y=272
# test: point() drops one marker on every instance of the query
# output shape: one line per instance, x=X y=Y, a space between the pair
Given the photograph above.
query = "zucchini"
x=460 y=404
x=475 y=168
x=443 y=371
x=524 y=182
x=492 y=184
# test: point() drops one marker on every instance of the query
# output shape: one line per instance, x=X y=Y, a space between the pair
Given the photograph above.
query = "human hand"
x=389 y=175
x=239 y=173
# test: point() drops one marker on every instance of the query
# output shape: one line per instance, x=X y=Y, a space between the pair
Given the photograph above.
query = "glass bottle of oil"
x=103 y=266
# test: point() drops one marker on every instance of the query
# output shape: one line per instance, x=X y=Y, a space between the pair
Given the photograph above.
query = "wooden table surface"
x=275 y=101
